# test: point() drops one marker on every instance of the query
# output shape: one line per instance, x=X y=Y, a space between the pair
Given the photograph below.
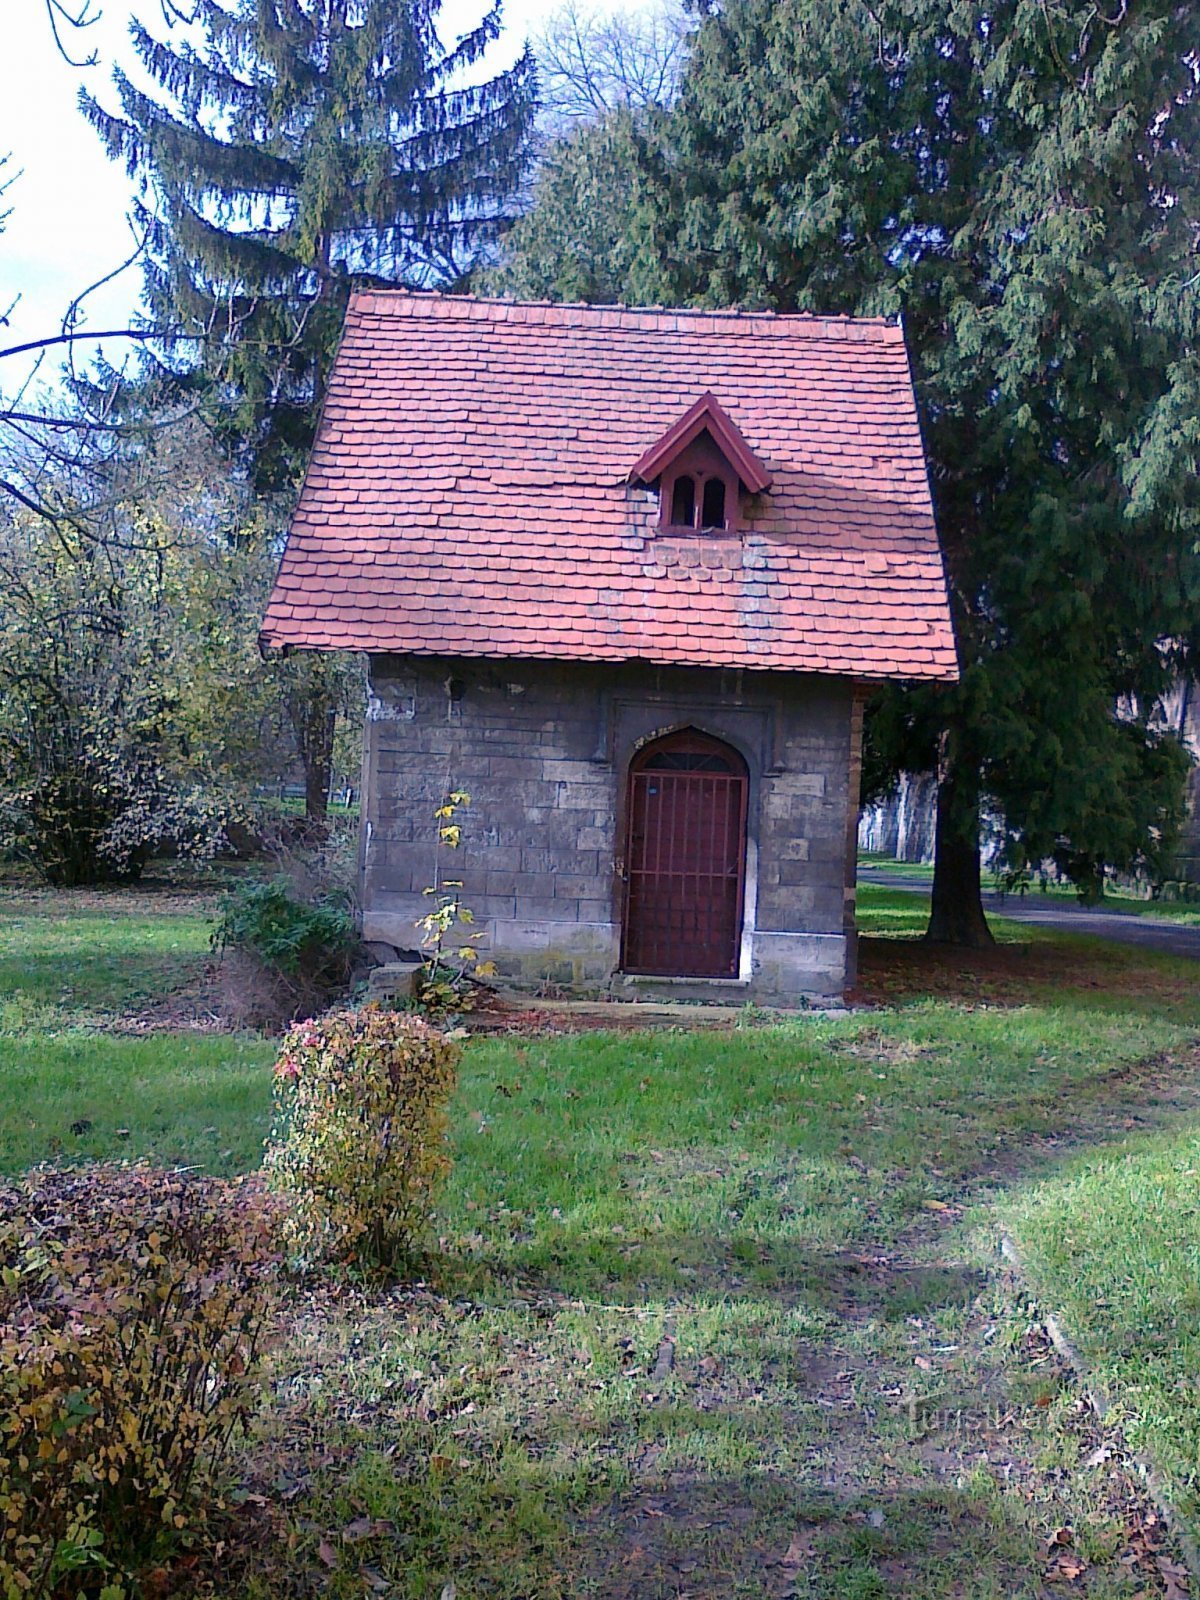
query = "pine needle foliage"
x=298 y=147
x=1018 y=179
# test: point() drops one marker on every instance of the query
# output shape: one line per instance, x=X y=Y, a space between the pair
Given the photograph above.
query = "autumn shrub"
x=133 y=1307
x=358 y=1145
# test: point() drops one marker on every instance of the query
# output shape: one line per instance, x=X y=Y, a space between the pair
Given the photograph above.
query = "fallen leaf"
x=800 y=1550
x=1175 y=1579
x=327 y=1554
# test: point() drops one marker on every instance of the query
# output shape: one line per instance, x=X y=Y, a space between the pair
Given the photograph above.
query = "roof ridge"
x=400 y=301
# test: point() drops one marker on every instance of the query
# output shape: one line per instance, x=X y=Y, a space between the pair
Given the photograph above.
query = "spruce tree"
x=1020 y=182
x=303 y=146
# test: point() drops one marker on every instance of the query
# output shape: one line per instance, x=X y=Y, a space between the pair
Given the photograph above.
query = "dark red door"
x=685 y=854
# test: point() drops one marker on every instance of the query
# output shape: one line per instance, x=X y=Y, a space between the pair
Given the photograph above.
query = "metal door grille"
x=685 y=856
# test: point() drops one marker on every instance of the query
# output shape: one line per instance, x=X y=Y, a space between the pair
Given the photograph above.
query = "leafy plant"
x=297 y=939
x=358 y=1144
x=448 y=936
x=133 y=1308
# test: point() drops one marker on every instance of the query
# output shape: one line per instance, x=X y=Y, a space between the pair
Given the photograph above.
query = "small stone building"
x=625 y=577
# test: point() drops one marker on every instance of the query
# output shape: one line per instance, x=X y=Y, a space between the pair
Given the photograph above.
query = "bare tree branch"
x=83 y=17
x=591 y=62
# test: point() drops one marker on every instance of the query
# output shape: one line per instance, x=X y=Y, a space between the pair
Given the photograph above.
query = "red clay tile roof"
x=469 y=493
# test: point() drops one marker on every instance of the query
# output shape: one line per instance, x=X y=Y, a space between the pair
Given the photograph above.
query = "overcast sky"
x=68 y=201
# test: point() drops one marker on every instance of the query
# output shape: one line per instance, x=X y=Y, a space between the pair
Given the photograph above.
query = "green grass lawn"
x=706 y=1314
x=70 y=966
x=191 y=1099
x=1116 y=899
x=87 y=955
x=1112 y=1241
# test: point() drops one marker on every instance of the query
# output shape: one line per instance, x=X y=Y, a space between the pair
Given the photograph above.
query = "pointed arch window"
x=683 y=500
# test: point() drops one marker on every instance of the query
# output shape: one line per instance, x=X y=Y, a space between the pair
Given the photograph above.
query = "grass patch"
x=1112 y=1243
x=1029 y=964
x=89 y=955
x=701 y=1322
x=185 y=1099
x=647 y=1165
x=701 y=1317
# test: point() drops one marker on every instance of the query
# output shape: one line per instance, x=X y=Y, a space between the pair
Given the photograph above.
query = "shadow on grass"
x=781 y=1537
x=705 y=1268
x=1037 y=968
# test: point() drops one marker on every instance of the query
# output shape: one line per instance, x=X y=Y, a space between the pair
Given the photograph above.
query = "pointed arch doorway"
x=685 y=858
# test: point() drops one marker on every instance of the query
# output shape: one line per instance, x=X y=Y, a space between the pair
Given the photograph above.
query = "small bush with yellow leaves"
x=133 y=1307
x=359 y=1141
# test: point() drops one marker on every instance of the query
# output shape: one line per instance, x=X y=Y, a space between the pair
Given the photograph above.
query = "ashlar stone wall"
x=543 y=750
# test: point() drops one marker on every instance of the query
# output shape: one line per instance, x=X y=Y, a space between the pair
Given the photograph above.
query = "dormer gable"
x=701 y=463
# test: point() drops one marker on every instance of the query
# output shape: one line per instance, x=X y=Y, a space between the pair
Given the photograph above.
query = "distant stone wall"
x=902 y=825
x=1189 y=850
x=1180 y=710
x=544 y=749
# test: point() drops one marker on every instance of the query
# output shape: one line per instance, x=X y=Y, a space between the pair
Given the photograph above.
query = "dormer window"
x=700 y=491
x=702 y=464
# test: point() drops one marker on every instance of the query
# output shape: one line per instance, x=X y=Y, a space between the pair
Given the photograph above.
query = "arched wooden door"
x=685 y=858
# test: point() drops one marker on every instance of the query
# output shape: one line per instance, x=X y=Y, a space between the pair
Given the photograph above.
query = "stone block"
x=536 y=859
x=794 y=872
x=396 y=980
x=493 y=857
x=573 y=886
x=546 y=908
x=585 y=796
x=569 y=772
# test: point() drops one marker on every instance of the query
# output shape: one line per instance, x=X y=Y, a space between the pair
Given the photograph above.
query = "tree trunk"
x=316 y=752
x=956 y=909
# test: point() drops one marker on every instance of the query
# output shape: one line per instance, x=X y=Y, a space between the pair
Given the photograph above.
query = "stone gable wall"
x=543 y=750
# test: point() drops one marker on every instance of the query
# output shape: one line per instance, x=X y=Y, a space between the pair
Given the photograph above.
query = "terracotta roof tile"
x=468 y=492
